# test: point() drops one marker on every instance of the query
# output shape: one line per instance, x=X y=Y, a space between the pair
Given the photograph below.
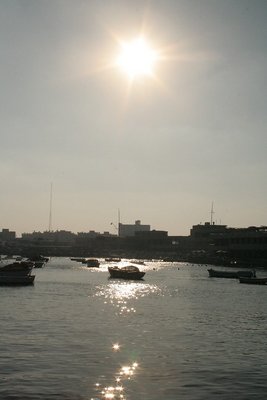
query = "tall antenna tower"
x=119 y=221
x=211 y=214
x=50 y=209
x=117 y=227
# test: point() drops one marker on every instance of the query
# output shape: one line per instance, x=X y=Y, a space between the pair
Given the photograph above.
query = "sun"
x=137 y=58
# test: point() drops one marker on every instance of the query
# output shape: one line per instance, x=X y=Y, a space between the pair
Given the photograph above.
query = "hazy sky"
x=161 y=150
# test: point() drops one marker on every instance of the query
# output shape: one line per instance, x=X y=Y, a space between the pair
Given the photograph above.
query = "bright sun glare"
x=137 y=58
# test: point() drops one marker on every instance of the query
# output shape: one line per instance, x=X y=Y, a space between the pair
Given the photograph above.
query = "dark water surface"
x=179 y=335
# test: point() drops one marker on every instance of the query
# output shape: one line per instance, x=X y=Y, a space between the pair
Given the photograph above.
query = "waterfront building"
x=129 y=230
x=6 y=235
x=247 y=243
x=60 y=236
x=207 y=230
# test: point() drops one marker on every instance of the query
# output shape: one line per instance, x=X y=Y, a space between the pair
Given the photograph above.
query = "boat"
x=78 y=259
x=128 y=272
x=17 y=273
x=113 y=259
x=92 y=263
x=138 y=262
x=253 y=281
x=231 y=274
x=18 y=267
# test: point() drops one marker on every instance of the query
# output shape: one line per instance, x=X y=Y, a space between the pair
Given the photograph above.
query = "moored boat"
x=130 y=272
x=113 y=259
x=253 y=281
x=17 y=267
x=17 y=273
x=138 y=262
x=231 y=274
x=92 y=263
x=78 y=259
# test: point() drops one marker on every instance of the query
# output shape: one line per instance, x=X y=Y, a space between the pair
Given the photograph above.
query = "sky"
x=161 y=148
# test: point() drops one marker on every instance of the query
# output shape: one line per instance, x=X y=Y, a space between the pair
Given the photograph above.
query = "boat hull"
x=18 y=268
x=230 y=274
x=92 y=263
x=16 y=280
x=17 y=274
x=253 y=281
x=113 y=259
x=119 y=273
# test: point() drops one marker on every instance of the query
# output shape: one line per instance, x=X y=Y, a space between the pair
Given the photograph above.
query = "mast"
x=117 y=227
x=211 y=214
x=119 y=221
x=50 y=209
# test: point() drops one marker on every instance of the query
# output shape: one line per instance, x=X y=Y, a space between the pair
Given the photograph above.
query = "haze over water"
x=178 y=334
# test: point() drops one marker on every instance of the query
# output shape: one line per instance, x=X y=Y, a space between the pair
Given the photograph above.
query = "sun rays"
x=137 y=58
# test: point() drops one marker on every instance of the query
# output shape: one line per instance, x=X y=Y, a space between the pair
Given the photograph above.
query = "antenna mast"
x=50 y=210
x=211 y=214
x=119 y=221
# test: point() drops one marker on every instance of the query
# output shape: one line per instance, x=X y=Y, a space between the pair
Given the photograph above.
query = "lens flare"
x=137 y=58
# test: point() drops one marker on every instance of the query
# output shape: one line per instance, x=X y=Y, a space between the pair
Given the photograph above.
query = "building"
x=128 y=230
x=6 y=235
x=61 y=236
x=249 y=243
x=207 y=230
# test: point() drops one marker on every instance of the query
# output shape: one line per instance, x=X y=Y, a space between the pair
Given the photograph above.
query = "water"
x=176 y=335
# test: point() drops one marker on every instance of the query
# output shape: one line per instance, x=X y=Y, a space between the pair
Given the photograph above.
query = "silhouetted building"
x=207 y=230
x=50 y=236
x=87 y=235
x=7 y=235
x=248 y=242
x=128 y=230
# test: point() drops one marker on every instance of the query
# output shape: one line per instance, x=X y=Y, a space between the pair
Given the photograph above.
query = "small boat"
x=231 y=274
x=92 y=263
x=129 y=272
x=253 y=281
x=78 y=259
x=113 y=259
x=138 y=262
x=17 y=273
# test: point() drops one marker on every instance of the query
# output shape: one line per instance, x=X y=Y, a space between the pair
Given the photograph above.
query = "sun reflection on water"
x=122 y=295
x=118 y=294
x=117 y=390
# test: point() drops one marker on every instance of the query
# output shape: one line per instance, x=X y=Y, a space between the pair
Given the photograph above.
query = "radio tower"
x=119 y=221
x=211 y=214
x=50 y=209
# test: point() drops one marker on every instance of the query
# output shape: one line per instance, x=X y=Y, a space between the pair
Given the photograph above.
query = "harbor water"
x=178 y=334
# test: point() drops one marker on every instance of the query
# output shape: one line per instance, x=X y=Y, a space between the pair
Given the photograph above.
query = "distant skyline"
x=160 y=149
